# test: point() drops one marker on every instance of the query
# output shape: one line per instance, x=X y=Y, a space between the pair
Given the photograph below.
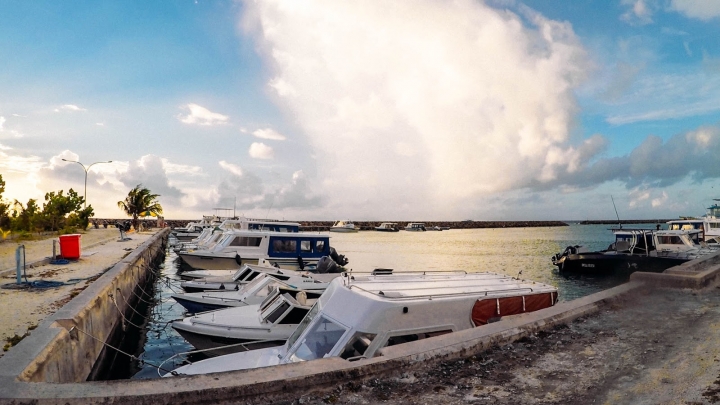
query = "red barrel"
x=70 y=246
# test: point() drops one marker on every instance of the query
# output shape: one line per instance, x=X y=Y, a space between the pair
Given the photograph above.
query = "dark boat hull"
x=614 y=263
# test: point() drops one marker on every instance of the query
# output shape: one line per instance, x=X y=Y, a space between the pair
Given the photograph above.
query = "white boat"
x=358 y=316
x=295 y=251
x=387 y=227
x=207 y=236
x=249 y=273
x=415 y=227
x=248 y=327
x=252 y=293
x=344 y=227
x=709 y=224
x=193 y=229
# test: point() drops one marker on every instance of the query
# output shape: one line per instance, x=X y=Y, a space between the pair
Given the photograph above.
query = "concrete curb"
x=696 y=274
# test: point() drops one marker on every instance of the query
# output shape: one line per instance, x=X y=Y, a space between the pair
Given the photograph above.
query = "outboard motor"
x=327 y=265
x=341 y=260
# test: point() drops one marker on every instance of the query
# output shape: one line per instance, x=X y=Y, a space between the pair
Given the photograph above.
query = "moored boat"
x=415 y=227
x=359 y=315
x=387 y=227
x=251 y=293
x=635 y=250
x=294 y=251
x=344 y=227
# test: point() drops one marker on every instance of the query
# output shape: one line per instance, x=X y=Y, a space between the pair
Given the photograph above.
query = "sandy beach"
x=21 y=309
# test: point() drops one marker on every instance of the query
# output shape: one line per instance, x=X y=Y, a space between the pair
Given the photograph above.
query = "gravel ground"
x=662 y=347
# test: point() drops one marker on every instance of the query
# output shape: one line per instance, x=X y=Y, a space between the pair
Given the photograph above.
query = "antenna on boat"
x=616 y=213
x=268 y=211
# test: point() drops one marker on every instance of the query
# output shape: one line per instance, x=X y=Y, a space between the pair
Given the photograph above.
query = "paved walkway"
x=22 y=309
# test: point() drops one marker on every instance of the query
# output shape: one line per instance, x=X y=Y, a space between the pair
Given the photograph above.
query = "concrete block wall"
x=54 y=354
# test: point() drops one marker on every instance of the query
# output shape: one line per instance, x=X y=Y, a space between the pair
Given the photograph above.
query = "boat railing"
x=397 y=295
x=379 y=272
x=202 y=351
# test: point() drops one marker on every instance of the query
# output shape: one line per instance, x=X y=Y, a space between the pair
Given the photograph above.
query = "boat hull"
x=617 y=264
x=221 y=344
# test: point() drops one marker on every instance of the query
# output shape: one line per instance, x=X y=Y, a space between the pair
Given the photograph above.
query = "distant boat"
x=709 y=224
x=344 y=227
x=415 y=227
x=387 y=227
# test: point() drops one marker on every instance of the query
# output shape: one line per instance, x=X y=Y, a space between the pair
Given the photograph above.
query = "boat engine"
x=341 y=260
x=327 y=265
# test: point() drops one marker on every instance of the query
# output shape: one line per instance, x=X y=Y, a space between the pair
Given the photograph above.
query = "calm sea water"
x=506 y=250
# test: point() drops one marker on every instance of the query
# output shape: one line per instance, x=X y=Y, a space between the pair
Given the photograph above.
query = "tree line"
x=64 y=213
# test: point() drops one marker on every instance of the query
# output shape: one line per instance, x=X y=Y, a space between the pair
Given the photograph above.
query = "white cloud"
x=3 y=147
x=2 y=122
x=455 y=98
x=701 y=9
x=269 y=133
x=100 y=124
x=639 y=13
x=201 y=116
x=151 y=172
x=175 y=168
x=234 y=169
x=259 y=150
x=69 y=107
x=659 y=201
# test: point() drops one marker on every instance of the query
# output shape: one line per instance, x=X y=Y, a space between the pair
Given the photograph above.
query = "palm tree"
x=140 y=201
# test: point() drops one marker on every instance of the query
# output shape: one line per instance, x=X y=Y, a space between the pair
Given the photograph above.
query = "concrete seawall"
x=289 y=381
x=54 y=354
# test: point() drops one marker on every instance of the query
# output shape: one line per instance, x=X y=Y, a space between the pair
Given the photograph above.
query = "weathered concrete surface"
x=696 y=274
x=53 y=354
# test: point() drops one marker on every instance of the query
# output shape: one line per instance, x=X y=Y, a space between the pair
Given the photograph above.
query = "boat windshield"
x=302 y=325
x=261 y=286
x=318 y=341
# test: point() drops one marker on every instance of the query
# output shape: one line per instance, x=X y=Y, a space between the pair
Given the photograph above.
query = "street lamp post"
x=86 y=168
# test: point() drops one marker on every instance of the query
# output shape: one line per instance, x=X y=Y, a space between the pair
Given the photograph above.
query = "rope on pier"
x=128 y=304
x=121 y=312
x=119 y=351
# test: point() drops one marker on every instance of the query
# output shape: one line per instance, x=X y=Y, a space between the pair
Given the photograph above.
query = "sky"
x=373 y=110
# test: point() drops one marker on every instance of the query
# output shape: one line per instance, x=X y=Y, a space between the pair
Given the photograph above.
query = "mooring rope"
x=120 y=351
x=128 y=304
x=210 y=350
x=120 y=311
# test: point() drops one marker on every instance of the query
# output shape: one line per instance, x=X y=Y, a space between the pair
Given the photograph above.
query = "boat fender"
x=238 y=259
x=222 y=287
x=301 y=263
x=237 y=287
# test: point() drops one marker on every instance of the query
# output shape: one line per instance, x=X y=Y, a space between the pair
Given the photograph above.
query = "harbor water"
x=518 y=252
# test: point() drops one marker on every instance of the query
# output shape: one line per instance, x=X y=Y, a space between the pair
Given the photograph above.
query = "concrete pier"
x=35 y=371
x=57 y=353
